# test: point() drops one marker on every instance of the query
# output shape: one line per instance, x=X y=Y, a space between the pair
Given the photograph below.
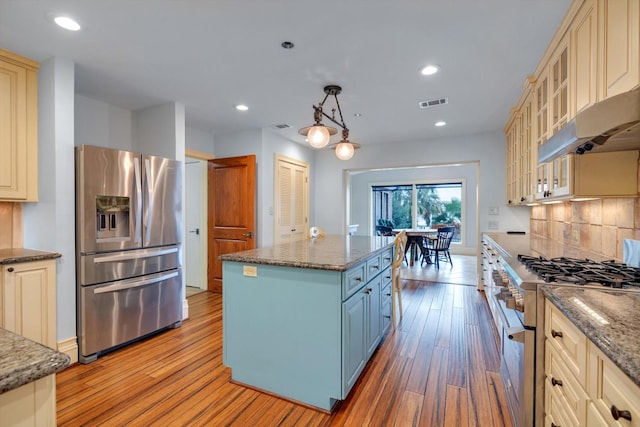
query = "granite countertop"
x=18 y=255
x=610 y=319
x=23 y=361
x=334 y=252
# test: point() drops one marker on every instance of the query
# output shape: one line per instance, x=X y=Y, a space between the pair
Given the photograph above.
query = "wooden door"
x=231 y=212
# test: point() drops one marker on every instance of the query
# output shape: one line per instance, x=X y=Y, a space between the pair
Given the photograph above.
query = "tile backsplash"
x=598 y=226
x=10 y=225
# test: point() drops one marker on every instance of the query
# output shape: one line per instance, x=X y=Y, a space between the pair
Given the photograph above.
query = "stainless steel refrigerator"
x=128 y=246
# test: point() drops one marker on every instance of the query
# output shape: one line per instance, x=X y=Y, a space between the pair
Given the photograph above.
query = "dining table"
x=415 y=242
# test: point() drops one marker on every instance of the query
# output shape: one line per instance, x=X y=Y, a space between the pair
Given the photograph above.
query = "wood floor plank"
x=457 y=374
x=177 y=378
x=420 y=370
x=457 y=411
x=499 y=408
x=434 y=405
x=409 y=410
x=478 y=394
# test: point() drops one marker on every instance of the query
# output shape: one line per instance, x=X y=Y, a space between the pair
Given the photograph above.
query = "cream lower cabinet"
x=33 y=404
x=615 y=399
x=583 y=387
x=28 y=296
x=28 y=308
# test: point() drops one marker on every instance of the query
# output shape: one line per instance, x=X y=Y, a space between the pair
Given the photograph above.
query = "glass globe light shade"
x=318 y=136
x=344 y=151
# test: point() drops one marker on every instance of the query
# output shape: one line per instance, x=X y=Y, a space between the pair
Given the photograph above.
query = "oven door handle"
x=516 y=334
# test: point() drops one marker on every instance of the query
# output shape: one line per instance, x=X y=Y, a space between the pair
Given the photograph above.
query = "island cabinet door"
x=372 y=310
x=354 y=340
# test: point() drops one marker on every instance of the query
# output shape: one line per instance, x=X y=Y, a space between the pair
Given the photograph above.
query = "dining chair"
x=439 y=245
x=383 y=230
x=399 y=244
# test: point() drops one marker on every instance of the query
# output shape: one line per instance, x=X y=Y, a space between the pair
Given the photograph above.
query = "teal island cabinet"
x=302 y=319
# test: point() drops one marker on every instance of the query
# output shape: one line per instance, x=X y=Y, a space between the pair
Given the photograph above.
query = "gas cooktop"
x=583 y=271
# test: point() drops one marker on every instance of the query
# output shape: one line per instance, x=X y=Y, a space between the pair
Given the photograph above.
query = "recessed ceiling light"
x=241 y=107
x=429 y=70
x=357 y=114
x=440 y=123
x=66 y=23
x=287 y=45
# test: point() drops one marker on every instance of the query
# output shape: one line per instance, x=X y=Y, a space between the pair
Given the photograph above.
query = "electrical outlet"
x=494 y=225
x=575 y=237
x=494 y=210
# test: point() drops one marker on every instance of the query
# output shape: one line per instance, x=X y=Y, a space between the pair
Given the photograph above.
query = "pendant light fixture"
x=318 y=134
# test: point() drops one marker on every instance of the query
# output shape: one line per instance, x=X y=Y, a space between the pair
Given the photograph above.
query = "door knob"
x=197 y=231
x=248 y=234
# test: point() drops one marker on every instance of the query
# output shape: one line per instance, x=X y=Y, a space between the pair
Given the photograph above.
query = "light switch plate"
x=494 y=210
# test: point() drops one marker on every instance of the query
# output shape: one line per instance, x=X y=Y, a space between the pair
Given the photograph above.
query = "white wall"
x=49 y=224
x=160 y=130
x=199 y=140
x=488 y=149
x=102 y=124
x=360 y=190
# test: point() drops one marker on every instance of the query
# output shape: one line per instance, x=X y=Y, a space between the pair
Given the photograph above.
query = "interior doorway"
x=195 y=247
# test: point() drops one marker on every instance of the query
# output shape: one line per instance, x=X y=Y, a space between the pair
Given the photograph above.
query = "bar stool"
x=399 y=245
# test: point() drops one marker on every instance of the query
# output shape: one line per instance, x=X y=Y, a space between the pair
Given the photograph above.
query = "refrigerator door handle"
x=137 y=213
x=135 y=283
x=149 y=208
x=125 y=256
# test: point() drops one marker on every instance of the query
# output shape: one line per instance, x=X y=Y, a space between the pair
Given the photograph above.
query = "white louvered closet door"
x=291 y=200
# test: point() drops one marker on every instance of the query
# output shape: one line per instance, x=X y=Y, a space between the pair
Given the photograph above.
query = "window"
x=419 y=205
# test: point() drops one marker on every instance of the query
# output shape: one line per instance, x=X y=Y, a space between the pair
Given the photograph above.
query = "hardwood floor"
x=440 y=368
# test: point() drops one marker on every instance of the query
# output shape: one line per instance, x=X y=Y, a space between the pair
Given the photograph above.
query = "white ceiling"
x=214 y=54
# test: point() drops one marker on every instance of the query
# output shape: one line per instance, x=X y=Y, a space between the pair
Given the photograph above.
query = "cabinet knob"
x=556 y=334
x=10 y=269
x=617 y=413
x=555 y=425
x=555 y=382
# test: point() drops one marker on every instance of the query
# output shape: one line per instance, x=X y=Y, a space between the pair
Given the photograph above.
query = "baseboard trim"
x=70 y=348
x=185 y=309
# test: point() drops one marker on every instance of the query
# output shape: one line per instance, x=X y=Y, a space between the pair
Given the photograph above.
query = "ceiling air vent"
x=282 y=126
x=433 y=102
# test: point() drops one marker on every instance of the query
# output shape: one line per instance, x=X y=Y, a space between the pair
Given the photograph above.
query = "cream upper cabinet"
x=28 y=300
x=521 y=161
x=595 y=54
x=512 y=131
x=18 y=134
x=583 y=58
x=619 y=46
x=552 y=113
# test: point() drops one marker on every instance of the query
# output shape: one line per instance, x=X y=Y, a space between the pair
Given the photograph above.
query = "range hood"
x=612 y=124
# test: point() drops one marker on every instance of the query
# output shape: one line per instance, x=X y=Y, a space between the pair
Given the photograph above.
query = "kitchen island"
x=302 y=319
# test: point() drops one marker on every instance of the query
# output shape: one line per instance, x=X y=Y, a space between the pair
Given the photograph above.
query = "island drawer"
x=374 y=266
x=355 y=278
x=387 y=257
x=386 y=276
